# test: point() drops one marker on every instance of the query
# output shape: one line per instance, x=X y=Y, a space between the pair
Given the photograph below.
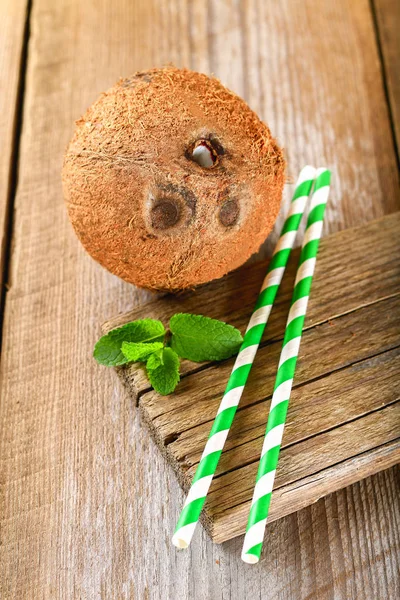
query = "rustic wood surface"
x=12 y=27
x=87 y=501
x=387 y=14
x=347 y=378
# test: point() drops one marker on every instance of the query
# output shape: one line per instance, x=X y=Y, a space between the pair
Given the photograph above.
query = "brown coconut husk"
x=143 y=208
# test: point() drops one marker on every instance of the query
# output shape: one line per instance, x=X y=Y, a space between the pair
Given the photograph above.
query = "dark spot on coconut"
x=171 y=207
x=229 y=213
x=180 y=192
x=165 y=214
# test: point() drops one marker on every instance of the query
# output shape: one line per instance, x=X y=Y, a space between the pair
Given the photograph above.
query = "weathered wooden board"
x=13 y=15
x=348 y=379
x=387 y=15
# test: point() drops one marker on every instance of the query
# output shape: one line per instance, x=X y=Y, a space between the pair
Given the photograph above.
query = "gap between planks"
x=386 y=18
x=14 y=37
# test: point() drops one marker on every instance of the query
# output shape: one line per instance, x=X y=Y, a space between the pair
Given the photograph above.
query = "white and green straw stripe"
x=258 y=515
x=209 y=460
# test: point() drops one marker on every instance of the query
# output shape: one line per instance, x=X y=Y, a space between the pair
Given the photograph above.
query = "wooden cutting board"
x=344 y=416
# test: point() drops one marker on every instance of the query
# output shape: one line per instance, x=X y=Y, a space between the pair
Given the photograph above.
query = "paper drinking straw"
x=258 y=515
x=209 y=460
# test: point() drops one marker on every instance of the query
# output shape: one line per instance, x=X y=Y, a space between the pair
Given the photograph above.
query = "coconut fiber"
x=171 y=180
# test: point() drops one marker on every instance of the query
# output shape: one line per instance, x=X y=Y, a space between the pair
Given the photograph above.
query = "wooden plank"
x=351 y=397
x=348 y=371
x=78 y=473
x=365 y=386
x=324 y=349
x=387 y=14
x=326 y=449
x=336 y=288
x=296 y=495
x=12 y=29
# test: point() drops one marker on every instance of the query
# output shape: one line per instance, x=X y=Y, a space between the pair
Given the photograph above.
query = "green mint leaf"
x=163 y=370
x=108 y=352
x=154 y=361
x=139 y=351
x=200 y=338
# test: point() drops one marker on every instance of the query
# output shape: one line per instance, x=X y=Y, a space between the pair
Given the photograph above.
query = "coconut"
x=171 y=180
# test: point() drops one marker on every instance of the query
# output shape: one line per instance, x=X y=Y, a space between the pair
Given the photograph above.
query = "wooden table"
x=87 y=502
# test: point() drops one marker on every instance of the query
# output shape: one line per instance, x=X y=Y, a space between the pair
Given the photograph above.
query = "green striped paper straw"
x=209 y=460
x=258 y=515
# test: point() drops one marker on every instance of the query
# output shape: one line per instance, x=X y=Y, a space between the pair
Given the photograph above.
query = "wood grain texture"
x=323 y=451
x=388 y=23
x=325 y=349
x=12 y=28
x=364 y=387
x=87 y=502
x=347 y=379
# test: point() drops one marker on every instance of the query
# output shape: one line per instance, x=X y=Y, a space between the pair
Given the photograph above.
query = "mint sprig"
x=163 y=370
x=108 y=351
x=193 y=337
